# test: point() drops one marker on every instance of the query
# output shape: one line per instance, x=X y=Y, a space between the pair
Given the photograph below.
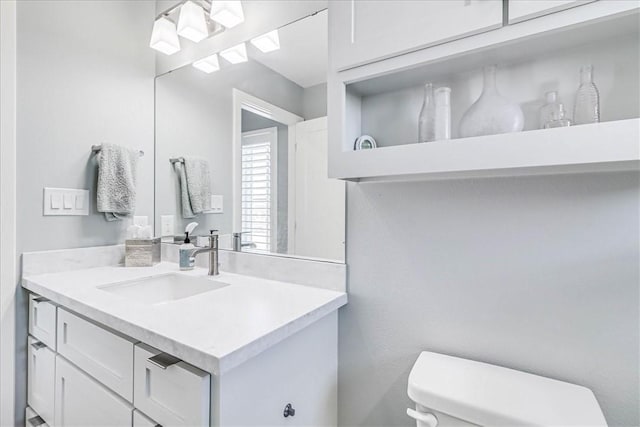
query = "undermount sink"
x=164 y=288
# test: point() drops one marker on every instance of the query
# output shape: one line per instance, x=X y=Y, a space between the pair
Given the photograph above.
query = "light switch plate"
x=65 y=201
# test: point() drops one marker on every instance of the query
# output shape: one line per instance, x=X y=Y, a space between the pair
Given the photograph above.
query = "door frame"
x=8 y=272
x=244 y=101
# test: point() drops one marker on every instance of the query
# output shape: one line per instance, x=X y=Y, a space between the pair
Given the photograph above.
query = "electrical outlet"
x=167 y=227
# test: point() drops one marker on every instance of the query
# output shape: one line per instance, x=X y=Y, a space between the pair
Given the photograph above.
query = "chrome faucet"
x=213 y=253
x=237 y=241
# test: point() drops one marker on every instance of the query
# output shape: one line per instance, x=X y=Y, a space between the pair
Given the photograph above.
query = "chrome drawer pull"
x=163 y=360
x=40 y=299
x=36 y=421
x=38 y=345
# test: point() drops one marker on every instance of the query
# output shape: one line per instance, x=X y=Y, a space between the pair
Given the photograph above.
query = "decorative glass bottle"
x=548 y=110
x=587 y=106
x=491 y=113
x=558 y=119
x=426 y=120
x=443 y=113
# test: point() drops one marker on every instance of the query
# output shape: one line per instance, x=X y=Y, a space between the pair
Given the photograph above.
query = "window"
x=259 y=163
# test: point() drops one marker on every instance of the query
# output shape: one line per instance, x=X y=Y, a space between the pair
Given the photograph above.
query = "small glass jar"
x=443 y=113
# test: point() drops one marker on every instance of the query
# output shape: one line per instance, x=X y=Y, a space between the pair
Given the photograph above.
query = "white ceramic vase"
x=491 y=113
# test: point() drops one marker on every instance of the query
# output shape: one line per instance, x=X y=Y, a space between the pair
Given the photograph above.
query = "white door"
x=316 y=203
x=364 y=31
x=259 y=188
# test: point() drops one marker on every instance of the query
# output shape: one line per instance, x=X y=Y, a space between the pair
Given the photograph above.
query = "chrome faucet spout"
x=212 y=250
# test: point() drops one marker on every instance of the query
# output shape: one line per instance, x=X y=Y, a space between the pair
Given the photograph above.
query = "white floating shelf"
x=600 y=147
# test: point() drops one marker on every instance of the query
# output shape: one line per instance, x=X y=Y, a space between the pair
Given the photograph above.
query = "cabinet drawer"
x=42 y=320
x=81 y=401
x=102 y=354
x=521 y=10
x=178 y=395
x=32 y=419
x=141 y=420
x=41 y=379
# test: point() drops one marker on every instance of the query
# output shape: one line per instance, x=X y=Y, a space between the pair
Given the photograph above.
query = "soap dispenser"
x=187 y=247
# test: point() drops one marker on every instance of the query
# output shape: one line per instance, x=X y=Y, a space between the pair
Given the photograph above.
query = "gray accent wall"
x=315 y=101
x=538 y=274
x=85 y=76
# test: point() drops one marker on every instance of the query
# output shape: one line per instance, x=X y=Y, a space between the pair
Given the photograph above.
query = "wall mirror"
x=255 y=117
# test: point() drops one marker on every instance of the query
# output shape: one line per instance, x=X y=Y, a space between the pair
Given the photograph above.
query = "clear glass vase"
x=426 y=120
x=491 y=113
x=587 y=106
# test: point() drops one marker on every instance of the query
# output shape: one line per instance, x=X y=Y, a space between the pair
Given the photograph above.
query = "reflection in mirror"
x=241 y=147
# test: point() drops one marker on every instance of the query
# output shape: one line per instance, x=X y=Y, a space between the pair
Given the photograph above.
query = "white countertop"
x=215 y=331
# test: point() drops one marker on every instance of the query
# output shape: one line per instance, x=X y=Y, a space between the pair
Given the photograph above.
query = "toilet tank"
x=488 y=395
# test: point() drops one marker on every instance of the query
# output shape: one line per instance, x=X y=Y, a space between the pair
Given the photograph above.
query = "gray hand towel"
x=187 y=212
x=195 y=186
x=116 y=195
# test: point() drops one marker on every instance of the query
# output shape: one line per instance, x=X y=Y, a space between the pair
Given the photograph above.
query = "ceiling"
x=303 y=53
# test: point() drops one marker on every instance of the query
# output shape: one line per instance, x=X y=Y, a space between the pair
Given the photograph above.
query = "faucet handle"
x=213 y=231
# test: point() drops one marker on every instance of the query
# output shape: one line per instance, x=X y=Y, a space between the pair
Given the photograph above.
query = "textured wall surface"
x=538 y=274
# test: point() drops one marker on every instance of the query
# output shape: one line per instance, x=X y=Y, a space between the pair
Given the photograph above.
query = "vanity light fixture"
x=164 y=37
x=267 y=42
x=208 y=64
x=235 y=54
x=227 y=13
x=192 y=23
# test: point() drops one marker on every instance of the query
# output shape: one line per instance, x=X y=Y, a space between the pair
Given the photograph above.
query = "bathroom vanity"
x=150 y=346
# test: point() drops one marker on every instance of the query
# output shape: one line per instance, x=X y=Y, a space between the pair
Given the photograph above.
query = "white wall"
x=85 y=76
x=539 y=274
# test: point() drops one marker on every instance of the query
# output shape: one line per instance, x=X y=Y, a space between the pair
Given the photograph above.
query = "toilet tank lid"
x=490 y=395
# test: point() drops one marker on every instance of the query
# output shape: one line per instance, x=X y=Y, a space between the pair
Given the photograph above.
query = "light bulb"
x=192 y=24
x=164 y=37
x=208 y=64
x=267 y=42
x=227 y=13
x=235 y=54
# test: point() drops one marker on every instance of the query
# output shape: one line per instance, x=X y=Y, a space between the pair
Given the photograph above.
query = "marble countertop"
x=215 y=331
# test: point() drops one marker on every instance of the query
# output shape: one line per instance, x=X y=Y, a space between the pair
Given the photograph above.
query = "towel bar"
x=97 y=148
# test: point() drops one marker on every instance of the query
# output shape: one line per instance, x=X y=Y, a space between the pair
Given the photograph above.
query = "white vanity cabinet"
x=40 y=379
x=99 y=377
x=82 y=401
x=521 y=10
x=364 y=31
x=174 y=393
x=103 y=354
x=42 y=320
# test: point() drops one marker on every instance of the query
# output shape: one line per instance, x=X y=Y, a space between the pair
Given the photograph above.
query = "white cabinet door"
x=176 y=395
x=81 y=401
x=363 y=31
x=104 y=355
x=41 y=379
x=42 y=320
x=521 y=10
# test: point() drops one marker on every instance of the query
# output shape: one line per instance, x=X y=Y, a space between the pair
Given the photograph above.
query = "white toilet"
x=449 y=391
